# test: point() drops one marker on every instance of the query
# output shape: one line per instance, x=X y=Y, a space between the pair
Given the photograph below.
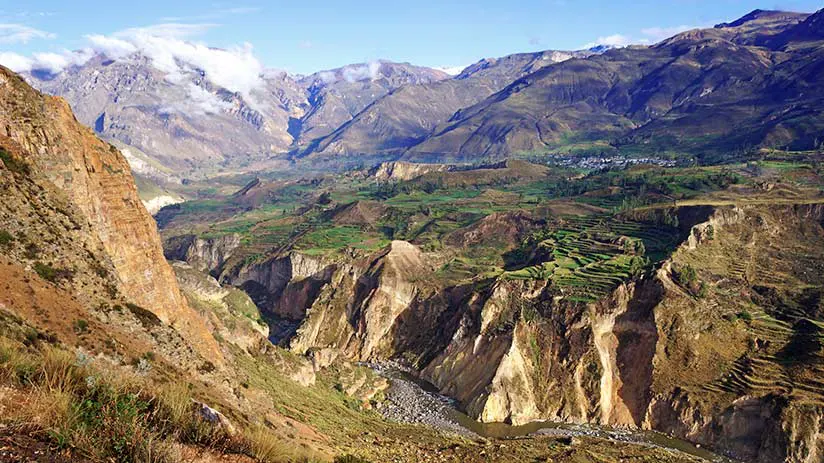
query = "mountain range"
x=187 y=124
x=679 y=97
x=752 y=83
x=647 y=285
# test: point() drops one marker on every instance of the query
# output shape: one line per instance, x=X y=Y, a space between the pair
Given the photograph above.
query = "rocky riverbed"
x=409 y=400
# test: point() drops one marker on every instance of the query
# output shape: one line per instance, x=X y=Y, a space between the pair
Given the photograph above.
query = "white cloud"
x=15 y=62
x=206 y=102
x=327 y=77
x=170 y=50
x=19 y=33
x=352 y=73
x=235 y=69
x=357 y=72
x=51 y=62
x=451 y=70
x=112 y=47
x=657 y=34
x=647 y=36
x=615 y=40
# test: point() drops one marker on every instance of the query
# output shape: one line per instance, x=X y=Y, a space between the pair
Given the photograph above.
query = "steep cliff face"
x=283 y=286
x=545 y=358
x=353 y=306
x=657 y=354
x=95 y=179
x=206 y=255
x=741 y=376
x=399 y=170
x=358 y=308
x=229 y=312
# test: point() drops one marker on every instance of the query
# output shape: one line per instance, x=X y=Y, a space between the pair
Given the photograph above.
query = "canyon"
x=590 y=246
x=648 y=354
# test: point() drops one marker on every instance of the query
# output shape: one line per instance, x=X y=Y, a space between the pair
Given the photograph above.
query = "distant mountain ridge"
x=190 y=126
x=406 y=116
x=738 y=86
x=681 y=96
x=193 y=127
x=337 y=95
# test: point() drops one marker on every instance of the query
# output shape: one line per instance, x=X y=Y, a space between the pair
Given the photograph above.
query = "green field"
x=585 y=248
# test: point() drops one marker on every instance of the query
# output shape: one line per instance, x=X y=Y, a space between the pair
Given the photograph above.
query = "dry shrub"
x=16 y=366
x=176 y=400
x=50 y=411
x=59 y=371
x=266 y=447
x=176 y=415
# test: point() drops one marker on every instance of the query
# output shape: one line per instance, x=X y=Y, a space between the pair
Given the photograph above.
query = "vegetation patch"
x=118 y=417
x=6 y=238
x=687 y=277
x=339 y=237
x=13 y=164
x=147 y=318
x=51 y=274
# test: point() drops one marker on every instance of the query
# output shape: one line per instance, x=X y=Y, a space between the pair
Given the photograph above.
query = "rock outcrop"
x=206 y=255
x=400 y=170
x=366 y=301
x=230 y=313
x=96 y=181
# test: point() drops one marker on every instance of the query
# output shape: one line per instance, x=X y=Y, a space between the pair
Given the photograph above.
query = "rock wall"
x=96 y=179
x=400 y=170
x=230 y=313
x=548 y=359
x=283 y=286
x=207 y=255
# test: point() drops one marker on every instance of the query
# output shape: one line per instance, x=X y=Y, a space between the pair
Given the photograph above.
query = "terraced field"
x=588 y=256
x=778 y=269
x=775 y=369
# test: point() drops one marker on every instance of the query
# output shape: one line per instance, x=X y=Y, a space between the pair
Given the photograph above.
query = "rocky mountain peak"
x=753 y=15
x=396 y=74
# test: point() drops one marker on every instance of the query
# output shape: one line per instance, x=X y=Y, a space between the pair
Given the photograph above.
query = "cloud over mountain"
x=647 y=36
x=168 y=46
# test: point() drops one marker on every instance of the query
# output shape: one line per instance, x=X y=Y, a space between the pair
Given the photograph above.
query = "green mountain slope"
x=751 y=83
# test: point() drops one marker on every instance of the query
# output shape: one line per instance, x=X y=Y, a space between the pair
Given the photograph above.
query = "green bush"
x=5 y=238
x=13 y=164
x=81 y=326
x=686 y=275
x=49 y=273
x=46 y=272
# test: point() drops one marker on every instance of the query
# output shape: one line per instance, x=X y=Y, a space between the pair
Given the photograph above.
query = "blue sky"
x=304 y=36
